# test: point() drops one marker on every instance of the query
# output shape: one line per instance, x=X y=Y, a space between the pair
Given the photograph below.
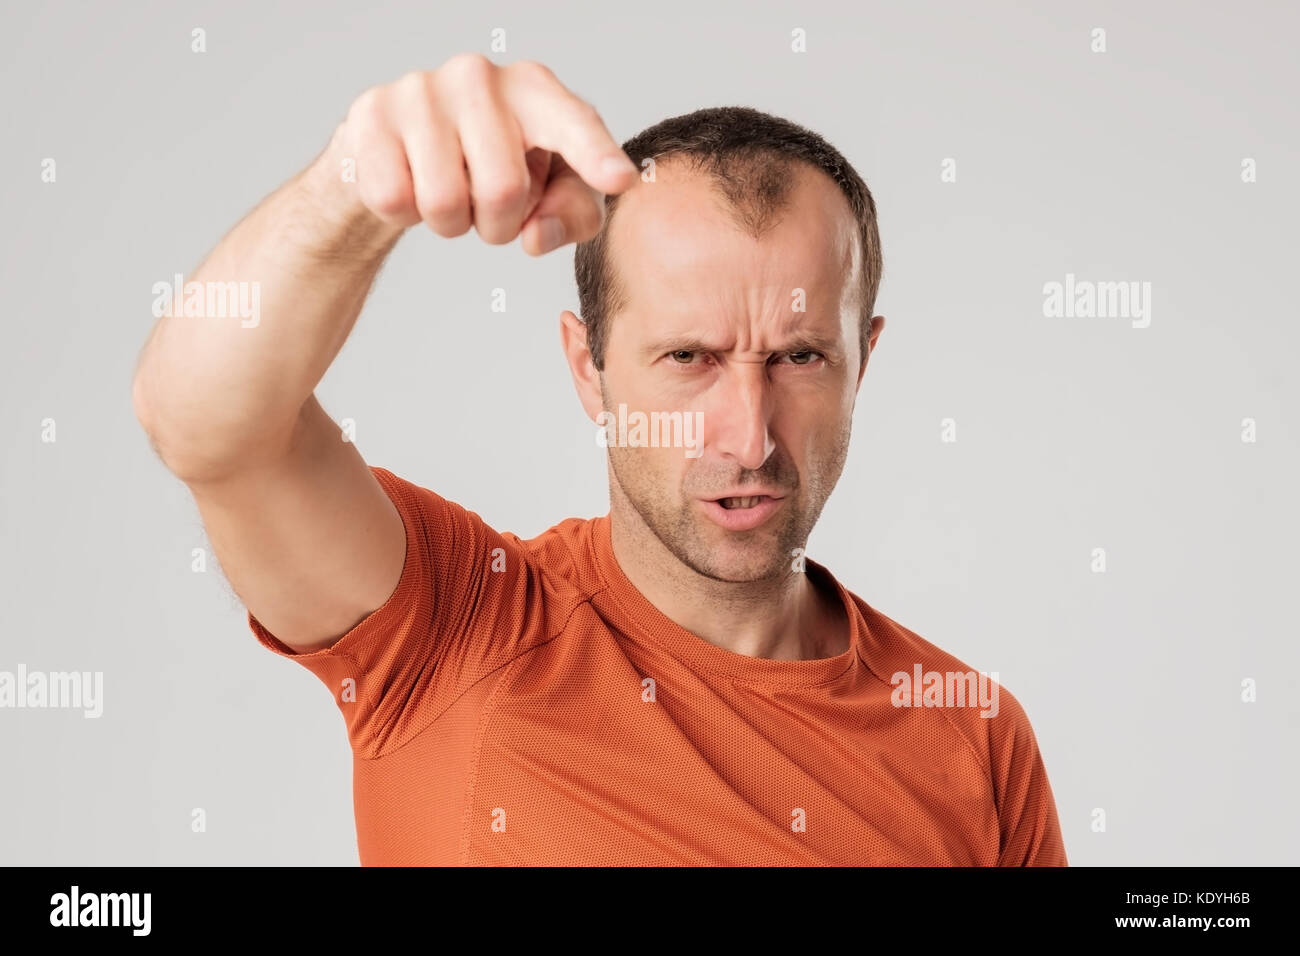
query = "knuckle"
x=366 y=105
x=502 y=193
x=469 y=67
x=443 y=206
x=386 y=197
x=450 y=228
x=414 y=81
x=532 y=71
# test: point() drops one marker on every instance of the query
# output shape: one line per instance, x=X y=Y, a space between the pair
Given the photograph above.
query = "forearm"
x=217 y=392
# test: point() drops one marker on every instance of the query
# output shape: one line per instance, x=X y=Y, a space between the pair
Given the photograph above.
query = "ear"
x=586 y=379
x=877 y=326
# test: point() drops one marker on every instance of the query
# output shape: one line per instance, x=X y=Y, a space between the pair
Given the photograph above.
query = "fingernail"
x=550 y=231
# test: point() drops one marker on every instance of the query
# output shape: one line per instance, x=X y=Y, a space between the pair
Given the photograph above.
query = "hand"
x=505 y=149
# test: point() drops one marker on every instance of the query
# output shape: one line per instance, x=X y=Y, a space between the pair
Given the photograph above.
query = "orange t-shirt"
x=521 y=702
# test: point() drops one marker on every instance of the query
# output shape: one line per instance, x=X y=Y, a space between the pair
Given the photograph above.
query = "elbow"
x=203 y=442
x=186 y=448
x=141 y=403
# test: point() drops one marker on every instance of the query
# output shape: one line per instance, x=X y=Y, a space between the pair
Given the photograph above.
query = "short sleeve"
x=468 y=602
x=1027 y=819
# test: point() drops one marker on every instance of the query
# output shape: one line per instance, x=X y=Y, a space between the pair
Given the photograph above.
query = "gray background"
x=1072 y=433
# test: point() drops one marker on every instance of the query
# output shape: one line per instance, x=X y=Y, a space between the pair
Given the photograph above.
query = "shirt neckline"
x=655 y=627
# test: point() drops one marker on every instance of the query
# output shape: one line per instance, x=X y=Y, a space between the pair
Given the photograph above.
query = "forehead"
x=679 y=243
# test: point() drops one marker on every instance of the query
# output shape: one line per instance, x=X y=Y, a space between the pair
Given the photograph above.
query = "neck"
x=789 y=618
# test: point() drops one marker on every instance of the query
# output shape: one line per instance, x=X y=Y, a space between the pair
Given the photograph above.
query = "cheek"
x=668 y=465
x=809 y=429
x=649 y=467
x=816 y=442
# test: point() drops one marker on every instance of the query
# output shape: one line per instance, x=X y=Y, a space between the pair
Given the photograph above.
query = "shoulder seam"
x=984 y=765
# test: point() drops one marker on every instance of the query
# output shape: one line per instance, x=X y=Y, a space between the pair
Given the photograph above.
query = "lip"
x=742 y=519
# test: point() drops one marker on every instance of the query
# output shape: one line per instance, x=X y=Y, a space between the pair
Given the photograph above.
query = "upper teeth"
x=741 y=502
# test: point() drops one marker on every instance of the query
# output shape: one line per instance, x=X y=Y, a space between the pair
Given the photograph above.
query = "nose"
x=737 y=426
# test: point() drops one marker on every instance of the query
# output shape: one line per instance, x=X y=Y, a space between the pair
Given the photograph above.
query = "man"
x=673 y=682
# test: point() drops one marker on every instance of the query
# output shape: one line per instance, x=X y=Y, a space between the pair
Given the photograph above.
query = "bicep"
x=309 y=541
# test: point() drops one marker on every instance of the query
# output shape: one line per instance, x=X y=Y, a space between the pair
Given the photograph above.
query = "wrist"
x=329 y=185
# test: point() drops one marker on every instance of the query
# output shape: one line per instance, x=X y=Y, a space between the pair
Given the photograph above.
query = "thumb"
x=569 y=211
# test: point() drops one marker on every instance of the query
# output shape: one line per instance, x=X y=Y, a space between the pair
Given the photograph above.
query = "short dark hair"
x=750 y=156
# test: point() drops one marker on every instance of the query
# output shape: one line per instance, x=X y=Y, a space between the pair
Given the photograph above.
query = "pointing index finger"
x=551 y=117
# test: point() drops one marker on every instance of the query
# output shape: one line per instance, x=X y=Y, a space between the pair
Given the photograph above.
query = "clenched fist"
x=505 y=149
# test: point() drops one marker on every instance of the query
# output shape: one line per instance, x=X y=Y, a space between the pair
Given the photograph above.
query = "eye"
x=806 y=357
x=683 y=356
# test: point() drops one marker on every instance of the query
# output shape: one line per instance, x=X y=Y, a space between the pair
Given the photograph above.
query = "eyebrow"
x=803 y=340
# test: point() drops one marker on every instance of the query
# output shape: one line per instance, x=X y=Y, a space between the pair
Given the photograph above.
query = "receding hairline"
x=751 y=150
x=754 y=213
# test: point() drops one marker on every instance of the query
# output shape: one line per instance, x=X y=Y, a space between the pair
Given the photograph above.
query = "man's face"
x=760 y=337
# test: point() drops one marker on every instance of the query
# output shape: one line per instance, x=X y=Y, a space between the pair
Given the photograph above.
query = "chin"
x=740 y=562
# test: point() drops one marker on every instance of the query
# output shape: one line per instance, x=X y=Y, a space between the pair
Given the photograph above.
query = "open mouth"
x=751 y=501
x=742 y=512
